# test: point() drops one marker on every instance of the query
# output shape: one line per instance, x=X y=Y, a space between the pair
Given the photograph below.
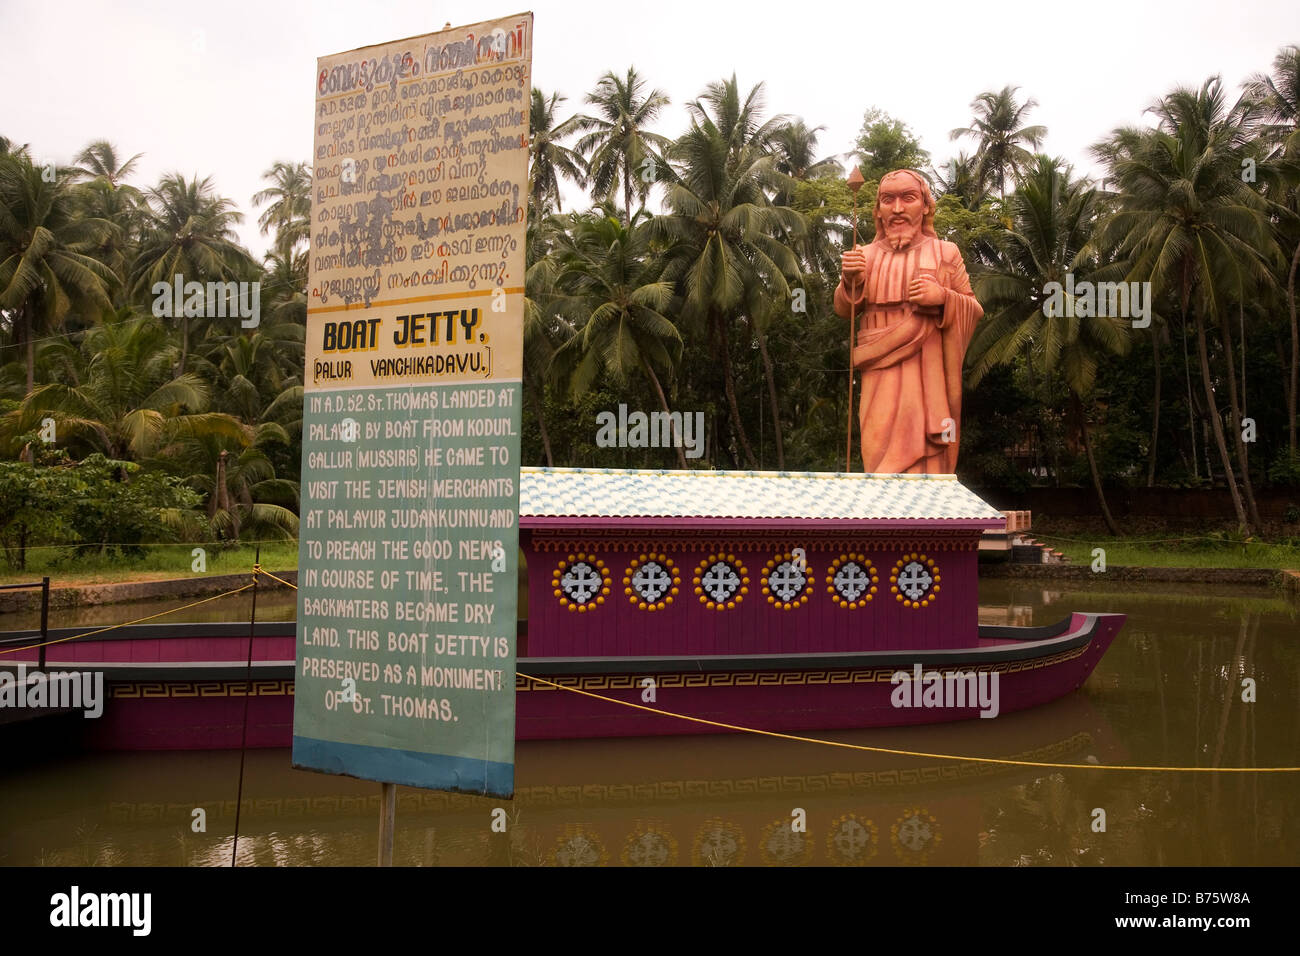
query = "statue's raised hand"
x=853 y=264
x=925 y=290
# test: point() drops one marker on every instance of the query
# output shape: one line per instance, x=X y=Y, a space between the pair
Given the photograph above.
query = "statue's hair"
x=927 y=218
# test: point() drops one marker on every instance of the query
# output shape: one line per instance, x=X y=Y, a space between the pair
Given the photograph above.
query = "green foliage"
x=719 y=304
x=885 y=144
x=112 y=507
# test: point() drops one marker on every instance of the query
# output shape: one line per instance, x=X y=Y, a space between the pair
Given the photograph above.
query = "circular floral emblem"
x=782 y=845
x=914 y=835
x=651 y=582
x=718 y=842
x=851 y=580
x=787 y=581
x=649 y=845
x=851 y=841
x=581 y=582
x=721 y=581
x=915 y=580
x=578 y=847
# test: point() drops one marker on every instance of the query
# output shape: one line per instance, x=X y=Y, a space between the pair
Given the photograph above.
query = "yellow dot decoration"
x=736 y=596
x=869 y=569
x=665 y=599
x=798 y=600
x=931 y=594
x=594 y=564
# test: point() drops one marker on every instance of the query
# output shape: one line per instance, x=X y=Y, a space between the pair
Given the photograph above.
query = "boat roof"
x=549 y=496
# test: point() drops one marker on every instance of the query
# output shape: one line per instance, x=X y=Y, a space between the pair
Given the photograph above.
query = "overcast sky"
x=224 y=89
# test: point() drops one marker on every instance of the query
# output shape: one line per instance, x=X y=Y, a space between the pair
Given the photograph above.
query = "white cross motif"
x=914 y=833
x=649 y=849
x=786 y=581
x=914 y=580
x=718 y=847
x=578 y=851
x=851 y=838
x=720 y=582
x=651 y=581
x=851 y=581
x=581 y=582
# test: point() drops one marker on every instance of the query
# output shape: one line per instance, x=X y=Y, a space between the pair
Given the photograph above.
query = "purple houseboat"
x=788 y=602
x=785 y=602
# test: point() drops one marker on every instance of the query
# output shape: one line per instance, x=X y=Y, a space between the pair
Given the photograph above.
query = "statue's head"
x=904 y=208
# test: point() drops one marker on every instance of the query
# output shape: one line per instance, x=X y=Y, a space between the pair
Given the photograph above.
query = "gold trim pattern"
x=149 y=690
x=875 y=675
x=686 y=539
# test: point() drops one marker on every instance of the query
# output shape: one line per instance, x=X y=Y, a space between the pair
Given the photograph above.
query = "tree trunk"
x=1216 y=425
x=1295 y=345
x=29 y=344
x=1234 y=405
x=729 y=385
x=1092 y=463
x=1187 y=377
x=539 y=398
x=663 y=403
x=771 y=394
x=1155 y=414
x=185 y=347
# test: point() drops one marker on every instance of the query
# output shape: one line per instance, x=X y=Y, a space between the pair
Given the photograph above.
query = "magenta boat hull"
x=158 y=702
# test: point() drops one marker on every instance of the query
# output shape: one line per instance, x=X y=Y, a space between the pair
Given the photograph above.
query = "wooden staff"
x=855 y=182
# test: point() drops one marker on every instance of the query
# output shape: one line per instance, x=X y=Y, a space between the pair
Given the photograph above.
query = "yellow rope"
x=910 y=753
x=113 y=627
x=258 y=569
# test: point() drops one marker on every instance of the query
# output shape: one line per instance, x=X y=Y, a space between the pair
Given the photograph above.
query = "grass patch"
x=1193 y=551
x=158 y=563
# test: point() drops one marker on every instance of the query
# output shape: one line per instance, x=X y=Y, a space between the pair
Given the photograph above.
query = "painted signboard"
x=410 y=470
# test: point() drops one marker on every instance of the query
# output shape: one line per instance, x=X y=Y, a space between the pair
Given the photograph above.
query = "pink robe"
x=909 y=358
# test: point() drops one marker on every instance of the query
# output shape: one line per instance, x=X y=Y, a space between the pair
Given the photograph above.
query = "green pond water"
x=1168 y=693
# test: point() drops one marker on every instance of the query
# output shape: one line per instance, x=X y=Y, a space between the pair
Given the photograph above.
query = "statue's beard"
x=900 y=236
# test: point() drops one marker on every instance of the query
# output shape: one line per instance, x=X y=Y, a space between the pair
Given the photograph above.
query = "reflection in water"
x=1168 y=693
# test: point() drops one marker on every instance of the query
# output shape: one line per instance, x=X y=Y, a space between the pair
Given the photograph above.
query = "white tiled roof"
x=578 y=492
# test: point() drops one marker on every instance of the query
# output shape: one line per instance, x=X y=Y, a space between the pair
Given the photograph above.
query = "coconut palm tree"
x=289 y=212
x=1188 y=224
x=99 y=160
x=1006 y=144
x=727 y=248
x=548 y=158
x=119 y=398
x=612 y=286
x=961 y=179
x=545 y=329
x=1279 y=98
x=620 y=149
x=795 y=145
x=190 y=233
x=1052 y=217
x=47 y=263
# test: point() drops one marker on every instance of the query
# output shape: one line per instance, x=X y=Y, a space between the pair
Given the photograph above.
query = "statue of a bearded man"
x=916 y=314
